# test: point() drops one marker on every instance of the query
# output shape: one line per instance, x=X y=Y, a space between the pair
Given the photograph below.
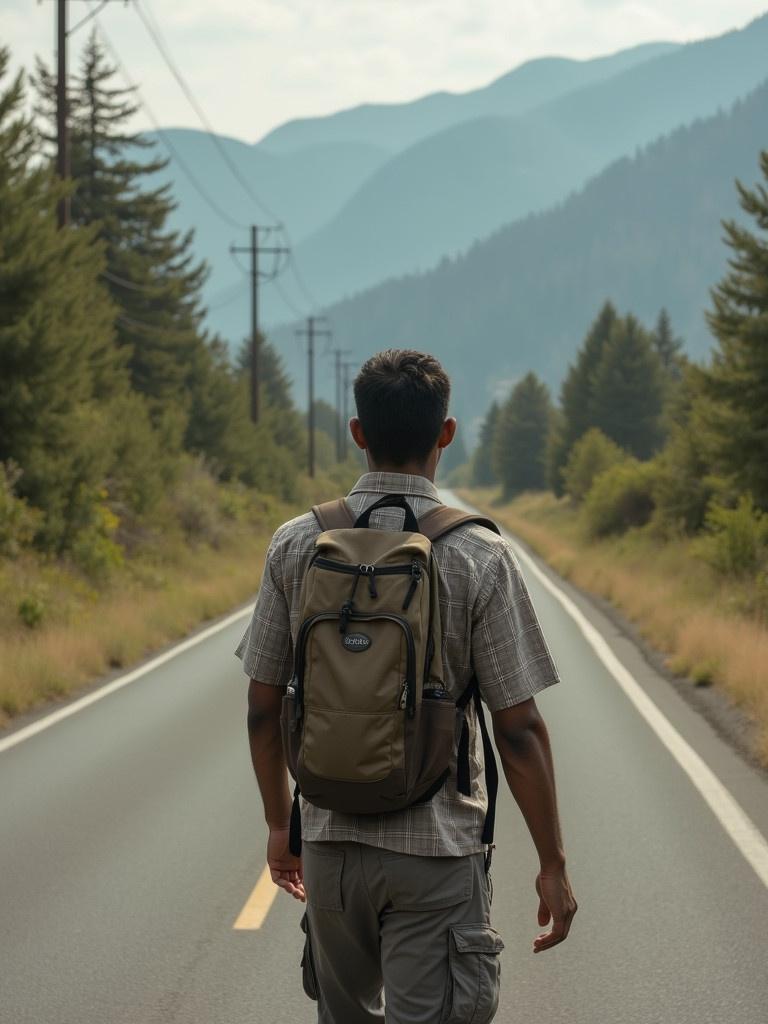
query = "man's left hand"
x=284 y=867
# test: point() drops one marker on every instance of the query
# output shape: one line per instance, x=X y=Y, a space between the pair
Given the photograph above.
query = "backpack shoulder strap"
x=442 y=519
x=334 y=515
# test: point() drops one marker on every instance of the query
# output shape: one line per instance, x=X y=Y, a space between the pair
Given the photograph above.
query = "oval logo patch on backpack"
x=356 y=642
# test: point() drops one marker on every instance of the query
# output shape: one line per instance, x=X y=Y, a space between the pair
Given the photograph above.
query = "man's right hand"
x=556 y=903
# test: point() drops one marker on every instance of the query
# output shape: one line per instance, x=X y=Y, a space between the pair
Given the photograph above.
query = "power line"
x=290 y=304
x=87 y=18
x=161 y=133
x=160 y=332
x=153 y=28
x=294 y=267
x=123 y=282
x=150 y=21
x=234 y=291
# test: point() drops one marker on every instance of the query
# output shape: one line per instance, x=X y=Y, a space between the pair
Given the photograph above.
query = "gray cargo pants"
x=412 y=931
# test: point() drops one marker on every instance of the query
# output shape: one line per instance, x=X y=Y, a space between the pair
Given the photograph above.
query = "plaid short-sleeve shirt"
x=489 y=628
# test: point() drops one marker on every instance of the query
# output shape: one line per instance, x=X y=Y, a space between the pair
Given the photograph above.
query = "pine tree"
x=628 y=390
x=279 y=415
x=737 y=380
x=521 y=437
x=57 y=355
x=576 y=396
x=274 y=382
x=578 y=386
x=482 y=461
x=150 y=270
x=668 y=347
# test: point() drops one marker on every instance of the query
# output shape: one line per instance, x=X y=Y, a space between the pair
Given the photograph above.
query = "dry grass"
x=172 y=584
x=125 y=624
x=680 y=606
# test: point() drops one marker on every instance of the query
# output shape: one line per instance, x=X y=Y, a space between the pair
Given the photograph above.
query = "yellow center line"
x=257 y=905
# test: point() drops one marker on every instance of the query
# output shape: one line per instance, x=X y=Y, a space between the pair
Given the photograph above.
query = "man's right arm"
x=526 y=756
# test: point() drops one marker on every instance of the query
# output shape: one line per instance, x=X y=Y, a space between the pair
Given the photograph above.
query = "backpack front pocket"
x=355 y=689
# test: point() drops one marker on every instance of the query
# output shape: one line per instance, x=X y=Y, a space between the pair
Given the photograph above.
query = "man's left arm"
x=265 y=650
x=264 y=739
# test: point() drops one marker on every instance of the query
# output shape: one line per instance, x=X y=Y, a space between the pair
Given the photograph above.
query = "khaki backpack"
x=367 y=724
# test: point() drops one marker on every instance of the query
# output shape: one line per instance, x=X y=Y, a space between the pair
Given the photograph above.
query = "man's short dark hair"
x=402 y=402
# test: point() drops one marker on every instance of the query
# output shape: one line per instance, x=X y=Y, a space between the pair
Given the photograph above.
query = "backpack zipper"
x=408 y=694
x=413 y=570
x=363 y=568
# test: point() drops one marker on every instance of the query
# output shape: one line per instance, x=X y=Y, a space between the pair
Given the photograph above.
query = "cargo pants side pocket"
x=474 y=974
x=308 y=975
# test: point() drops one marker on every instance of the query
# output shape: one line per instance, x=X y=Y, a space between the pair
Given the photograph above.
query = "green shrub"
x=31 y=611
x=736 y=539
x=590 y=456
x=94 y=549
x=18 y=522
x=684 y=484
x=620 y=498
x=195 y=501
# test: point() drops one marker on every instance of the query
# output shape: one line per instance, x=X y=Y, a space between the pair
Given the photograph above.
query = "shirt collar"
x=396 y=483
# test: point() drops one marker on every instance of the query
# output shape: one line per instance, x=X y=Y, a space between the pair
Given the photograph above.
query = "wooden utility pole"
x=346 y=382
x=311 y=332
x=63 y=32
x=255 y=250
x=340 y=424
x=62 y=134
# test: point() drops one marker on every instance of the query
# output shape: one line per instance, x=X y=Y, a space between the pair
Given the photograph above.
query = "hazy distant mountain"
x=446 y=191
x=646 y=233
x=397 y=125
x=306 y=171
x=305 y=188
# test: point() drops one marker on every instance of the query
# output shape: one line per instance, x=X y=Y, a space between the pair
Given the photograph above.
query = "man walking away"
x=398 y=903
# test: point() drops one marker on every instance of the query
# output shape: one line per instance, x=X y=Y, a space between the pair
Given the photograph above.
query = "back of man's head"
x=402 y=402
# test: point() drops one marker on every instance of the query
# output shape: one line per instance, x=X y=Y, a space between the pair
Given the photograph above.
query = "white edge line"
x=70 y=709
x=733 y=818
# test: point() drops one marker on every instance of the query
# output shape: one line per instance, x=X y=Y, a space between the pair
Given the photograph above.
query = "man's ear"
x=447 y=433
x=358 y=436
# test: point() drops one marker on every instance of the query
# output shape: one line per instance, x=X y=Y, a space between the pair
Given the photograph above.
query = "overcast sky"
x=254 y=64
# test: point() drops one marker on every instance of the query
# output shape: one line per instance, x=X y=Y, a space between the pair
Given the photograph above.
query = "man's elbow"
x=515 y=727
x=264 y=704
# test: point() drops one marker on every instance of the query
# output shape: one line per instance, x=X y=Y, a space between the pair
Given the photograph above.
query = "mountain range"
x=307 y=170
x=394 y=126
x=454 y=187
x=392 y=208
x=646 y=232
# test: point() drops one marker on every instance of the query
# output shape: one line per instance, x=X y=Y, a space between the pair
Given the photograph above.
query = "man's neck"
x=410 y=469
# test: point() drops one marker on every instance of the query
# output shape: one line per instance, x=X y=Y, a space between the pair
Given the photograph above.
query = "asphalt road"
x=131 y=838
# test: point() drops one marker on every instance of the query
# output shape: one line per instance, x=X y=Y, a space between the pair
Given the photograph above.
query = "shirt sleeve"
x=266 y=649
x=509 y=653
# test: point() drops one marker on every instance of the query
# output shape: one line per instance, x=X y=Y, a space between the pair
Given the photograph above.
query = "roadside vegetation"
x=647 y=483
x=136 y=494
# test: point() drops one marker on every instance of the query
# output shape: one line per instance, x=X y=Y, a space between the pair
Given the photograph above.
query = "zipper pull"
x=372 y=582
x=415 y=577
x=404 y=696
x=346 y=611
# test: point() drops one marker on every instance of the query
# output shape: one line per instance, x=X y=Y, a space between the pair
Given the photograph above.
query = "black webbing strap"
x=463 y=777
x=491 y=772
x=294 y=832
